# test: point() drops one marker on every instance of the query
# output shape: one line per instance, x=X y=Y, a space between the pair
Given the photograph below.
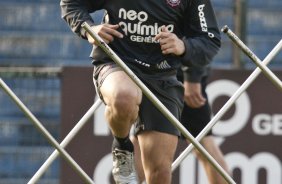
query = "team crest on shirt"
x=173 y=3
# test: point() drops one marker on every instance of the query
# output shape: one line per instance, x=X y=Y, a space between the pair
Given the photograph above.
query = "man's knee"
x=160 y=173
x=124 y=104
x=121 y=95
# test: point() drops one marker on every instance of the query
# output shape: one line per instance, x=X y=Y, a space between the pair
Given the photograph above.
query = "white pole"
x=156 y=102
x=266 y=71
x=66 y=141
x=44 y=132
x=227 y=105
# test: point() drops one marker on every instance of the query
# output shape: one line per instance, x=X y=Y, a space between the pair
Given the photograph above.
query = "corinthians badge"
x=173 y=3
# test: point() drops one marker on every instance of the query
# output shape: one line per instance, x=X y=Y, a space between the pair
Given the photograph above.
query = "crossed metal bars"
x=230 y=102
x=174 y=121
x=47 y=135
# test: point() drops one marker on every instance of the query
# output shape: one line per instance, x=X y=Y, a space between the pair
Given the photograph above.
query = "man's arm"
x=75 y=12
x=193 y=96
x=202 y=36
x=202 y=42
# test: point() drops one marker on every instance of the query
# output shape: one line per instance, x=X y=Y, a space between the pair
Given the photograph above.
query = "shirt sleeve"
x=194 y=74
x=201 y=34
x=76 y=12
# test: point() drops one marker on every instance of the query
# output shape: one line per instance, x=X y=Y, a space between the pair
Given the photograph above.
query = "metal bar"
x=156 y=102
x=227 y=105
x=30 y=71
x=266 y=71
x=43 y=70
x=239 y=29
x=46 y=134
x=66 y=141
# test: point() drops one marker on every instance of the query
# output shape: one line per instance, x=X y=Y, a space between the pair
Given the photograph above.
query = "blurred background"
x=35 y=44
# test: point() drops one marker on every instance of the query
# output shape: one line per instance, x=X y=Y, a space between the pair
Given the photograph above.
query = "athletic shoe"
x=123 y=167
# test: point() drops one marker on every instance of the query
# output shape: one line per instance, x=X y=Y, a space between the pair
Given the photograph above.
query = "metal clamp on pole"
x=266 y=71
x=156 y=102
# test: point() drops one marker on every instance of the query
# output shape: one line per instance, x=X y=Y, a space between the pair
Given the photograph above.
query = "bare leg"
x=157 y=153
x=137 y=157
x=122 y=98
x=213 y=176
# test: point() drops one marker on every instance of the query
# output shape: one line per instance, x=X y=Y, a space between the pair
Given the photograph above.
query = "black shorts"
x=195 y=119
x=164 y=86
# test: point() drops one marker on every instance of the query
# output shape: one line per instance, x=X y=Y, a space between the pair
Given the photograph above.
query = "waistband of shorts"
x=145 y=72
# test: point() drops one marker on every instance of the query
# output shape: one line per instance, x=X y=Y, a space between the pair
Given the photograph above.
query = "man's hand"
x=106 y=31
x=193 y=94
x=170 y=43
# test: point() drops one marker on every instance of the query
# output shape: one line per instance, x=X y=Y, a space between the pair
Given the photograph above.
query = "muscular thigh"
x=119 y=85
x=157 y=149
